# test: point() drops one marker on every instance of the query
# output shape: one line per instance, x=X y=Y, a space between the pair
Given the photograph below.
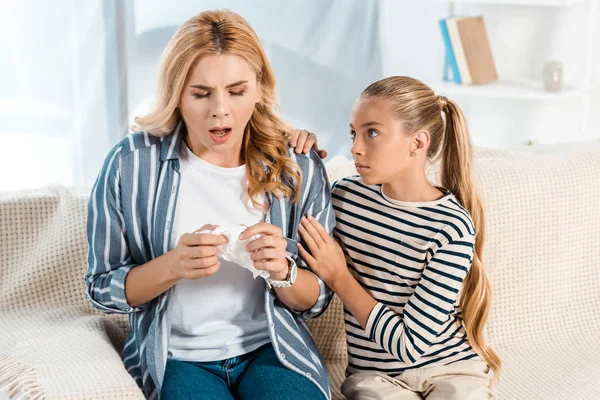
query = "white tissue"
x=235 y=250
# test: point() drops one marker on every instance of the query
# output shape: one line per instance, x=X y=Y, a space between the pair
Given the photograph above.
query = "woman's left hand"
x=268 y=252
x=303 y=141
x=324 y=256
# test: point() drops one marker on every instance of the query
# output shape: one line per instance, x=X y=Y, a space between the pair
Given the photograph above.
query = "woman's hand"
x=324 y=256
x=268 y=252
x=303 y=141
x=195 y=255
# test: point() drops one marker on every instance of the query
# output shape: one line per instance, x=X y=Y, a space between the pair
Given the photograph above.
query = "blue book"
x=450 y=58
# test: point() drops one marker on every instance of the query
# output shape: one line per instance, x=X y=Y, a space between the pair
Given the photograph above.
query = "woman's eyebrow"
x=203 y=87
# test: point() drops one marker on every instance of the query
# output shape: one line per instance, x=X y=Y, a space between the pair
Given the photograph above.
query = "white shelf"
x=543 y=3
x=509 y=89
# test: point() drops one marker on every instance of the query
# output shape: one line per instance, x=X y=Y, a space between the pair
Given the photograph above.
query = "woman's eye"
x=373 y=133
x=352 y=135
x=200 y=95
x=240 y=93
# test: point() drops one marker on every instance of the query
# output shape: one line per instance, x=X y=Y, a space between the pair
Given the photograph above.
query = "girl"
x=409 y=269
x=211 y=153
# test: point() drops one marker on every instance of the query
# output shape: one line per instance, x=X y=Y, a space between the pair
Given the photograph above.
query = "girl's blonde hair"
x=418 y=107
x=265 y=152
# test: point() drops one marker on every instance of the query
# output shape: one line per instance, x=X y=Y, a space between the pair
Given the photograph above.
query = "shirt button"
x=272 y=324
x=282 y=355
x=308 y=375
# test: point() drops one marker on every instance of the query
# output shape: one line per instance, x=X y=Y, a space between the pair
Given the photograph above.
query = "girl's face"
x=381 y=147
x=217 y=104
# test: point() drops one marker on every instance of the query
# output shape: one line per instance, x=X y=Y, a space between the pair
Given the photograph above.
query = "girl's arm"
x=406 y=335
x=326 y=259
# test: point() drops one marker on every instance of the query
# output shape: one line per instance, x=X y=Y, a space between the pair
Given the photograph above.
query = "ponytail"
x=456 y=160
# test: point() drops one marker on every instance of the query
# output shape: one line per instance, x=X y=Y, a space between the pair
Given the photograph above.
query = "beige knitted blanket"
x=52 y=343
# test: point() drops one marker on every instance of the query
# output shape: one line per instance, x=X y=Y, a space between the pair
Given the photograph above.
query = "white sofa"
x=542 y=255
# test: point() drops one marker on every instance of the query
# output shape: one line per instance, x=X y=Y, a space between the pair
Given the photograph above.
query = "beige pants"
x=463 y=380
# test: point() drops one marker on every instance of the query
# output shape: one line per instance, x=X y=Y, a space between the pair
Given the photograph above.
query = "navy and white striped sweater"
x=412 y=258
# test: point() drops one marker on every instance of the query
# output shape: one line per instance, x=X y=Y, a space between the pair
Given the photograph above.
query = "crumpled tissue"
x=235 y=250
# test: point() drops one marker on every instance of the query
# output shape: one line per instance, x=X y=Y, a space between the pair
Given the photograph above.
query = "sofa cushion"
x=542 y=256
x=330 y=335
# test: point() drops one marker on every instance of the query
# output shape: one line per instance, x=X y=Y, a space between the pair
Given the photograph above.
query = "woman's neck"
x=229 y=159
x=412 y=187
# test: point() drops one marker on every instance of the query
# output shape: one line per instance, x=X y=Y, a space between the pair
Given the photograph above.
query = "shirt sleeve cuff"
x=117 y=290
x=325 y=295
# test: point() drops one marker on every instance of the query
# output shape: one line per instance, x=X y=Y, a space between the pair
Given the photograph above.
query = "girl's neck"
x=412 y=188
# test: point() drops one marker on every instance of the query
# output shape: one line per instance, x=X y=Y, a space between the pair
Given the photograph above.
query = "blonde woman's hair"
x=418 y=107
x=265 y=152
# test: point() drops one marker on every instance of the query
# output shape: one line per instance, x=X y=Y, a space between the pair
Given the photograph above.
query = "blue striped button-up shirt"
x=130 y=217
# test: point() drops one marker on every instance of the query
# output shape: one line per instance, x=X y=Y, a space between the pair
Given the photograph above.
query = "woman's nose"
x=220 y=108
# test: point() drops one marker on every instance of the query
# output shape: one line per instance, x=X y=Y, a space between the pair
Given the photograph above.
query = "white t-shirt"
x=222 y=315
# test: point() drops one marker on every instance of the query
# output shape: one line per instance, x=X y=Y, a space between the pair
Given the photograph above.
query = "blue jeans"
x=256 y=375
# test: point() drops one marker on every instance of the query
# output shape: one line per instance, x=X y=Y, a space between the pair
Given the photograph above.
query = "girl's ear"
x=420 y=142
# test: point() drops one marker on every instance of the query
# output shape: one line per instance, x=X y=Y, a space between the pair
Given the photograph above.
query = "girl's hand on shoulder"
x=303 y=141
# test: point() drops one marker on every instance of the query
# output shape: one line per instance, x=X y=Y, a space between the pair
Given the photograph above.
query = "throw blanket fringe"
x=17 y=378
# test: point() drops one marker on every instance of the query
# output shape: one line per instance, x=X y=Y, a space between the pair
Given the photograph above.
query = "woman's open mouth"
x=220 y=135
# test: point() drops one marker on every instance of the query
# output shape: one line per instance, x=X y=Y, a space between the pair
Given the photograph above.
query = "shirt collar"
x=171 y=143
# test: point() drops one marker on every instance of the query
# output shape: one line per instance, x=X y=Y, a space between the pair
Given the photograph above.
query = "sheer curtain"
x=60 y=108
x=74 y=74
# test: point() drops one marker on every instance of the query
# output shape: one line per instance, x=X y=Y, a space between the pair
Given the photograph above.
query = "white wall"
x=522 y=38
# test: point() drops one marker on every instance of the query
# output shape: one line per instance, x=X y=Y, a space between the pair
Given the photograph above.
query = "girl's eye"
x=352 y=135
x=240 y=93
x=372 y=133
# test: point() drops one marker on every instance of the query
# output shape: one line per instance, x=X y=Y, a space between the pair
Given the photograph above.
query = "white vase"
x=553 y=76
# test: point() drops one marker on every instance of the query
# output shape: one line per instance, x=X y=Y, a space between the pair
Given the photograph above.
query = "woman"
x=409 y=269
x=211 y=155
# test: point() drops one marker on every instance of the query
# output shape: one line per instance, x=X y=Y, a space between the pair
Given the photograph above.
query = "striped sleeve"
x=408 y=336
x=109 y=258
x=319 y=206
